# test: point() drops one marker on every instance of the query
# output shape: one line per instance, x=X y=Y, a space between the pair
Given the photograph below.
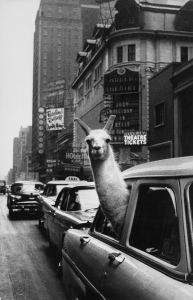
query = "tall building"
x=61 y=27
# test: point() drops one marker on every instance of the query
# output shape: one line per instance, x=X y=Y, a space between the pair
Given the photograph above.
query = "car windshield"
x=22 y=187
x=87 y=199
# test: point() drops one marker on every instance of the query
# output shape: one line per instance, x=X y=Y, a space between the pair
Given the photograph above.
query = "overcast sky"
x=17 y=26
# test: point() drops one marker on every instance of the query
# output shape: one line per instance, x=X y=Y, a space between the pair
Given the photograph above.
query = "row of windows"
x=88 y=82
x=131 y=54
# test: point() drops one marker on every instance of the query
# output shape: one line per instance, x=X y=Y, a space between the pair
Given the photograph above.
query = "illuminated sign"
x=121 y=81
x=54 y=118
x=135 y=138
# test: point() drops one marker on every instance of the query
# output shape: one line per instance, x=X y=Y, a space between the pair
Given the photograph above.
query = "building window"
x=98 y=72
x=131 y=52
x=80 y=92
x=88 y=82
x=45 y=32
x=184 y=54
x=160 y=114
x=59 y=9
x=120 y=54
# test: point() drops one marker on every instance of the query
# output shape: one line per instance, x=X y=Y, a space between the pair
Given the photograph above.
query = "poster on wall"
x=54 y=119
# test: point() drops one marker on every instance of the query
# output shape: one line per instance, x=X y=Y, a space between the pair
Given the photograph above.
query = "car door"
x=59 y=218
x=143 y=268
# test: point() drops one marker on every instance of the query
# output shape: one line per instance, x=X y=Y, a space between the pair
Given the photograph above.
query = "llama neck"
x=112 y=190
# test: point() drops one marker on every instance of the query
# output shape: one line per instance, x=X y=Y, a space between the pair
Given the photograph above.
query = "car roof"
x=83 y=185
x=67 y=182
x=172 y=167
x=28 y=182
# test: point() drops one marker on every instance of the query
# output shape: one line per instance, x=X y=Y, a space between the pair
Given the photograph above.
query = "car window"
x=61 y=197
x=66 y=201
x=59 y=188
x=52 y=191
x=103 y=226
x=39 y=187
x=22 y=187
x=155 y=228
x=83 y=200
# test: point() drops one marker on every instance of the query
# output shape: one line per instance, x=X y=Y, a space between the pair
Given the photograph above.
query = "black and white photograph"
x=96 y=151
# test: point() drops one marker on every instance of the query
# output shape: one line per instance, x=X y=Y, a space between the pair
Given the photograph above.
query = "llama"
x=110 y=186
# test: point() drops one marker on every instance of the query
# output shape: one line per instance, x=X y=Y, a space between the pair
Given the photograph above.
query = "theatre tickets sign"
x=54 y=118
x=121 y=81
x=135 y=138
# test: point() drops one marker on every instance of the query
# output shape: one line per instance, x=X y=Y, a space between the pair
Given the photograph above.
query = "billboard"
x=54 y=119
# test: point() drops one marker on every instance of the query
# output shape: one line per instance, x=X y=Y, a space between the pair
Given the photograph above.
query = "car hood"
x=27 y=193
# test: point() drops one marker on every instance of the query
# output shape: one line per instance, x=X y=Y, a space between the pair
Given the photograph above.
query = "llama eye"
x=108 y=140
x=88 y=142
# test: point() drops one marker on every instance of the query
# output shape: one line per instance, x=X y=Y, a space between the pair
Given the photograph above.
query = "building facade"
x=22 y=149
x=60 y=30
x=171 y=123
x=116 y=64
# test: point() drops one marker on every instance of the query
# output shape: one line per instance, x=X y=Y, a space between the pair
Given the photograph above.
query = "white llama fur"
x=110 y=186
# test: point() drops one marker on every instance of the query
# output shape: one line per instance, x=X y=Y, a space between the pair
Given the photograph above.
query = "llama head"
x=98 y=140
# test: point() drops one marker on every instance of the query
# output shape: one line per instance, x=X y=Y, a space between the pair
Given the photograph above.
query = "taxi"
x=75 y=207
x=153 y=257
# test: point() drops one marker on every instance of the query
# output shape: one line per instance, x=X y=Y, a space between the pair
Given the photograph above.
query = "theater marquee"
x=121 y=81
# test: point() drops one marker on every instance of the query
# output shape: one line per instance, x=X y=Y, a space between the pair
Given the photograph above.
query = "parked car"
x=23 y=197
x=3 y=186
x=75 y=207
x=153 y=258
x=50 y=193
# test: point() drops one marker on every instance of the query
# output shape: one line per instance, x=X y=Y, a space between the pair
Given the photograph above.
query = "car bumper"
x=30 y=207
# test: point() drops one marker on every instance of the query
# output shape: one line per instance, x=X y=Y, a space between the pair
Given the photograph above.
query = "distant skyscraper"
x=61 y=28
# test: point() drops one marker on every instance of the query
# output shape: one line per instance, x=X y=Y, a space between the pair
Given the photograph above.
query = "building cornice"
x=128 y=33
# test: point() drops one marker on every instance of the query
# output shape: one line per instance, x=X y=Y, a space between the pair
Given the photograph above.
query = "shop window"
x=160 y=114
x=119 y=54
x=131 y=52
x=155 y=228
x=184 y=54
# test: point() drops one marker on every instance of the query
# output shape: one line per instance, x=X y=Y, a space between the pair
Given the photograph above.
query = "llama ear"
x=86 y=129
x=109 y=124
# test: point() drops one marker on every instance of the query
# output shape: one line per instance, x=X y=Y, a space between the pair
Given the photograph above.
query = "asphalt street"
x=27 y=268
